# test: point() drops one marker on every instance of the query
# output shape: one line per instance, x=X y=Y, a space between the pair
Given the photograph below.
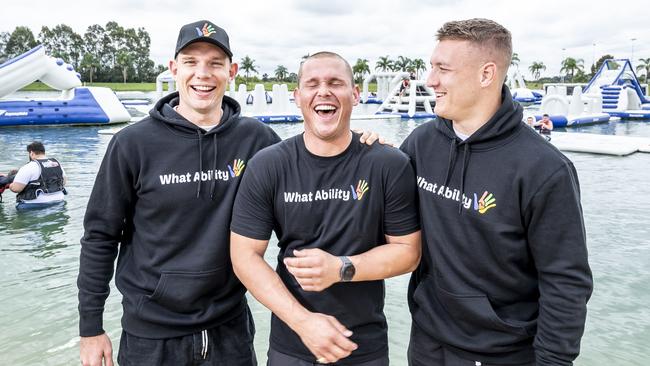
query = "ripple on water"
x=39 y=253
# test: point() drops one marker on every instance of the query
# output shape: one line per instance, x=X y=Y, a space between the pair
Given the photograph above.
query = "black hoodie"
x=504 y=274
x=164 y=195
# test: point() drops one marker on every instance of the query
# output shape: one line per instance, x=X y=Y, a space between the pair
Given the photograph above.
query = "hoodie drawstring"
x=214 y=166
x=450 y=168
x=213 y=185
x=462 y=176
x=198 y=186
x=452 y=160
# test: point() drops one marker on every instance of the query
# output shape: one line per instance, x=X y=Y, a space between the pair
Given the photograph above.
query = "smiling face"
x=455 y=76
x=326 y=96
x=202 y=72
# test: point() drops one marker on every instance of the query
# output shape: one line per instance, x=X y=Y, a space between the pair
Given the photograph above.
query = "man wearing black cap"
x=161 y=204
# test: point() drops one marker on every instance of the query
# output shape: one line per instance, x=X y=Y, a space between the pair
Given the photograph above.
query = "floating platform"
x=600 y=144
x=580 y=120
x=631 y=114
x=280 y=118
x=375 y=116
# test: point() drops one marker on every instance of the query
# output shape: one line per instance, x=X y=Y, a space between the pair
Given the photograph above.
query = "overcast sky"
x=280 y=32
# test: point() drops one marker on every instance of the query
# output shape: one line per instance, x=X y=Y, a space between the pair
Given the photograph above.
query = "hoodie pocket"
x=475 y=312
x=189 y=292
x=465 y=321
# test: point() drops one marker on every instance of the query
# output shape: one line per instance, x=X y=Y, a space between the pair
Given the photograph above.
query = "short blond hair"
x=327 y=54
x=482 y=33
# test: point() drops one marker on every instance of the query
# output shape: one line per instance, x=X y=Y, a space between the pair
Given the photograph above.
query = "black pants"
x=280 y=359
x=425 y=351
x=230 y=344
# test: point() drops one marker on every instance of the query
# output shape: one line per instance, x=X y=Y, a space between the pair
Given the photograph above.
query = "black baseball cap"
x=203 y=31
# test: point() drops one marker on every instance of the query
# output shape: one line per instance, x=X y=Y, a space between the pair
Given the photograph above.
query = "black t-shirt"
x=343 y=204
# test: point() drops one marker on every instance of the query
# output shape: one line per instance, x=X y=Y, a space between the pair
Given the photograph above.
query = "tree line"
x=359 y=69
x=573 y=69
x=109 y=53
x=113 y=53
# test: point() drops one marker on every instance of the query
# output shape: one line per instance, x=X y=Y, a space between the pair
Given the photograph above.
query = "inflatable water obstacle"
x=417 y=101
x=386 y=82
x=620 y=90
x=520 y=93
x=265 y=108
x=76 y=105
x=566 y=112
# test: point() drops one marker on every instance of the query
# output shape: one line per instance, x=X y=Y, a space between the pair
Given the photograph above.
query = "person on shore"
x=346 y=218
x=162 y=204
x=40 y=182
x=502 y=280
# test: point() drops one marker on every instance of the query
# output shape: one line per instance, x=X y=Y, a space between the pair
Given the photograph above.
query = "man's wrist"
x=346 y=269
x=297 y=316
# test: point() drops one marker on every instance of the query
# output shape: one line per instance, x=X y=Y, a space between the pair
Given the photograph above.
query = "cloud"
x=280 y=32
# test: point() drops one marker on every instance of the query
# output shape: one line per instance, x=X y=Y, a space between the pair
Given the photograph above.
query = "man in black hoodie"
x=163 y=196
x=504 y=277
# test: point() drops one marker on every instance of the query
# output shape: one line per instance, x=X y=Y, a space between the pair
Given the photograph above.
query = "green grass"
x=291 y=86
x=146 y=87
x=39 y=86
x=533 y=85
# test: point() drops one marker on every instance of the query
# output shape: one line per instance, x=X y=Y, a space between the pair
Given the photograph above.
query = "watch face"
x=348 y=272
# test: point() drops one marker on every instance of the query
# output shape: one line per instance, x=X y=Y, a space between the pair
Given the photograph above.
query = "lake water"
x=39 y=252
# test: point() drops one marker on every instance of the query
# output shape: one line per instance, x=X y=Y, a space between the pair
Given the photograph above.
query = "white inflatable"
x=76 y=106
x=36 y=65
x=417 y=101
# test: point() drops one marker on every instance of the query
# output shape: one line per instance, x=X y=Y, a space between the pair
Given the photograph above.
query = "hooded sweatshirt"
x=504 y=275
x=163 y=200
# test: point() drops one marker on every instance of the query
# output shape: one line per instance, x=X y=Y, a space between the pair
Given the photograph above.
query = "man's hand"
x=92 y=350
x=314 y=269
x=325 y=337
x=369 y=137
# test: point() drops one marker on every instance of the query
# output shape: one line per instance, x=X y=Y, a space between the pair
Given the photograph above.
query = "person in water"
x=41 y=181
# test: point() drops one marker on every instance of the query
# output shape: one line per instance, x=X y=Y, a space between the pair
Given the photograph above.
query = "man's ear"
x=295 y=97
x=173 y=67
x=234 y=67
x=488 y=74
x=357 y=95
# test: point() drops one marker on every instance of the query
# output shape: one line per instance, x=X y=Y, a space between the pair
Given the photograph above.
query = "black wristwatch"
x=347 y=269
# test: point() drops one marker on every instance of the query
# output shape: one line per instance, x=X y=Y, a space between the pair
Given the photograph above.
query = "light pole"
x=593 y=57
x=562 y=62
x=632 y=58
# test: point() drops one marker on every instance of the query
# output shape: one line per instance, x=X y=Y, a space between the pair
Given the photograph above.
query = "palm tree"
x=514 y=61
x=644 y=66
x=124 y=60
x=418 y=64
x=384 y=64
x=570 y=65
x=402 y=63
x=360 y=68
x=535 y=69
x=281 y=72
x=248 y=65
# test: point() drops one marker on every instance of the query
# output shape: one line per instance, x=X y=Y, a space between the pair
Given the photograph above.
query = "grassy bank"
x=38 y=86
x=147 y=87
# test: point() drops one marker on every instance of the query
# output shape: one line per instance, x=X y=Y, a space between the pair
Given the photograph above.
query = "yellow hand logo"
x=238 y=167
x=486 y=202
x=362 y=188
